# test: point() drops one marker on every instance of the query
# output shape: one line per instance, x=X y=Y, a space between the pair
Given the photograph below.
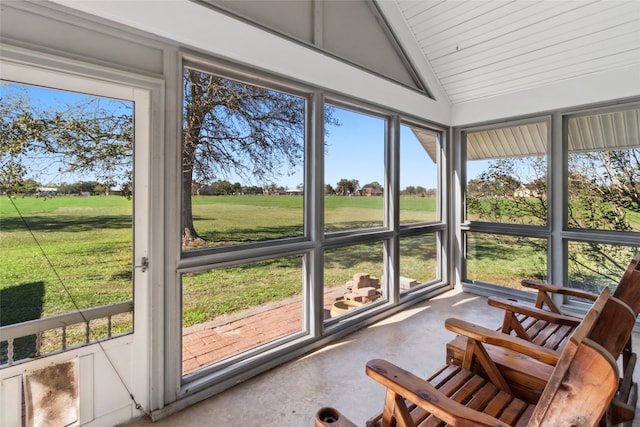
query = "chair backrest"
x=628 y=289
x=614 y=325
x=584 y=380
x=580 y=394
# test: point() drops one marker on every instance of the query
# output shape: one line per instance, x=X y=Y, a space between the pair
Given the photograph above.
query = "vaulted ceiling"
x=477 y=60
x=480 y=49
x=461 y=51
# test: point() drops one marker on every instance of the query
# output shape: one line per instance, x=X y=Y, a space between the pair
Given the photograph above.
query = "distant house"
x=48 y=190
x=524 y=192
x=295 y=192
x=371 y=191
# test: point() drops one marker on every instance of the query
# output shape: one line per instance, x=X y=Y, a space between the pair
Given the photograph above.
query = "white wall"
x=191 y=25
x=103 y=399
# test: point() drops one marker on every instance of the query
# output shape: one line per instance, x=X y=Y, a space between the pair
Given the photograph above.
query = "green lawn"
x=210 y=294
x=634 y=220
x=230 y=220
x=60 y=253
x=505 y=260
x=88 y=242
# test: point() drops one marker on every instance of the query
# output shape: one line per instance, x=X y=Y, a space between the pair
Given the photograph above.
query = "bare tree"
x=230 y=126
x=92 y=136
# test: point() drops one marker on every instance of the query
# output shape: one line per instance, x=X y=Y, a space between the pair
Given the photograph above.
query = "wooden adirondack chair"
x=578 y=392
x=546 y=291
x=550 y=329
x=548 y=326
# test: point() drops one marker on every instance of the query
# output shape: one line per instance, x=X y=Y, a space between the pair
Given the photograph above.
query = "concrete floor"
x=291 y=394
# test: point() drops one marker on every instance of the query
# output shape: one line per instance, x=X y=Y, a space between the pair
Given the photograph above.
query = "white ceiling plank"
x=438 y=11
x=538 y=39
x=503 y=25
x=605 y=86
x=482 y=49
x=469 y=91
x=414 y=8
x=436 y=29
x=555 y=58
x=495 y=23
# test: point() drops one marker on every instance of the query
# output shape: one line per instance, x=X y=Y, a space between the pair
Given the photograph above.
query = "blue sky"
x=46 y=171
x=354 y=150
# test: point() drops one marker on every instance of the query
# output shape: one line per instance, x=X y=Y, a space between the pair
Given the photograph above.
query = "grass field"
x=86 y=239
x=88 y=242
x=505 y=260
x=229 y=220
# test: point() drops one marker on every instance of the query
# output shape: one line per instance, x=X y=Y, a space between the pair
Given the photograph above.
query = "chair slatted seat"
x=544 y=325
x=582 y=384
x=469 y=389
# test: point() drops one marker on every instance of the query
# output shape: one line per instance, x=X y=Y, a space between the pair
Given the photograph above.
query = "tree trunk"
x=189 y=233
x=193 y=119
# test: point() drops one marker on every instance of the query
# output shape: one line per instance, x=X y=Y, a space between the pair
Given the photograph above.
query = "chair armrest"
x=562 y=290
x=531 y=311
x=424 y=395
x=489 y=336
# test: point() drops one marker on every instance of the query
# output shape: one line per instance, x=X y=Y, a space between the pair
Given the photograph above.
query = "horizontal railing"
x=37 y=327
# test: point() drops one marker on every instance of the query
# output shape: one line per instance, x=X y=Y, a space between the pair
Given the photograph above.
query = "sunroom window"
x=503 y=259
x=592 y=266
x=506 y=204
x=353 y=278
x=418 y=174
x=232 y=310
x=507 y=175
x=242 y=162
x=603 y=188
x=604 y=171
x=354 y=170
x=418 y=261
x=287 y=228
x=66 y=234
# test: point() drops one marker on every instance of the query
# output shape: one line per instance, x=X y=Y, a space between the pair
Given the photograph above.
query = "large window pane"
x=231 y=310
x=507 y=175
x=354 y=171
x=593 y=266
x=505 y=260
x=243 y=162
x=418 y=174
x=353 y=278
x=418 y=261
x=604 y=171
x=66 y=226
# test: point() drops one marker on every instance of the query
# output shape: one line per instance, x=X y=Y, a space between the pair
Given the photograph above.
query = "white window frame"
x=146 y=93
